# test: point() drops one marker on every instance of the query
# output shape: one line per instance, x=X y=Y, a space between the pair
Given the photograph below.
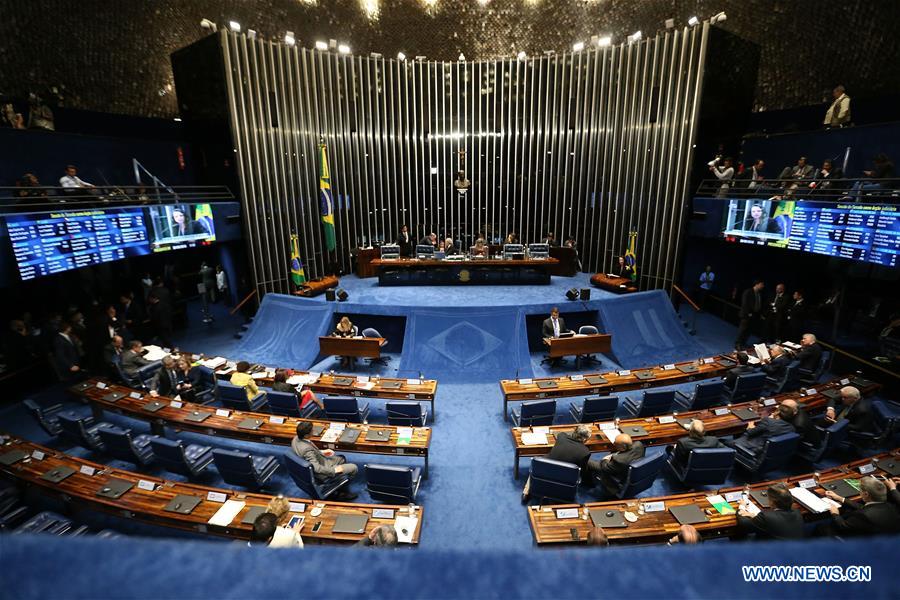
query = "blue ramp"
x=646 y=331
x=285 y=332
x=471 y=344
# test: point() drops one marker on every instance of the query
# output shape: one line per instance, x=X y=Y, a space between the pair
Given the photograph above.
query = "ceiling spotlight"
x=634 y=37
x=718 y=18
x=521 y=55
x=234 y=26
x=207 y=24
x=462 y=57
x=375 y=55
x=289 y=38
x=344 y=49
x=549 y=52
x=670 y=23
x=251 y=33
x=421 y=57
x=320 y=45
x=604 y=41
x=577 y=46
x=401 y=56
x=693 y=21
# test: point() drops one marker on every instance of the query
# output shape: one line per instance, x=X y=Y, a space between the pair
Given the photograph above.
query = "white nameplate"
x=383 y=513
x=413 y=382
x=733 y=496
x=576 y=377
x=845 y=382
x=604 y=426
x=146 y=485
x=654 y=506
x=864 y=469
x=87 y=469
x=37 y=455
x=527 y=381
x=362 y=379
x=668 y=419
x=297 y=507
x=221 y=412
x=708 y=361
x=101 y=385
x=807 y=483
x=624 y=372
x=135 y=395
x=567 y=513
x=411 y=396
x=770 y=402
x=668 y=367
x=720 y=411
x=176 y=404
x=811 y=392
x=217 y=497
x=276 y=420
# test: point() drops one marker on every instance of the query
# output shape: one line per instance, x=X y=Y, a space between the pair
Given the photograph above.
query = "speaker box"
x=342 y=294
x=572 y=294
x=585 y=294
x=329 y=295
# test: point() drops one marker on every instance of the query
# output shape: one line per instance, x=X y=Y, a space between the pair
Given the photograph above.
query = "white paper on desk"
x=226 y=514
x=259 y=375
x=668 y=367
x=809 y=500
x=364 y=386
x=762 y=352
x=297 y=380
x=405 y=524
x=526 y=381
x=604 y=426
x=213 y=363
x=413 y=382
x=611 y=434
x=666 y=419
x=404 y=432
x=576 y=377
x=154 y=353
x=530 y=438
x=734 y=496
x=749 y=507
x=331 y=435
x=545 y=429
x=753 y=360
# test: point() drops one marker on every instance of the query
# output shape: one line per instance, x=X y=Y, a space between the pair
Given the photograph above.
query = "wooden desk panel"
x=415 y=263
x=148 y=506
x=660 y=434
x=616 y=285
x=360 y=347
x=268 y=433
x=576 y=345
x=659 y=527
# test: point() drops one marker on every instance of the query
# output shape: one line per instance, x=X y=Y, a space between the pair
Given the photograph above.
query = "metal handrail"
x=27 y=199
x=838 y=190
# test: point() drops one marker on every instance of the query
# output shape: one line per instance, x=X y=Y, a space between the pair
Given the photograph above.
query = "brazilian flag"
x=326 y=206
x=630 y=256
x=298 y=275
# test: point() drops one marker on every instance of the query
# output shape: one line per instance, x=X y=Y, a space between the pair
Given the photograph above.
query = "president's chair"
x=832 y=438
x=82 y=430
x=303 y=475
x=393 y=485
x=653 y=402
x=47 y=418
x=706 y=394
x=535 y=412
x=235 y=397
x=599 y=408
x=704 y=466
x=776 y=453
x=554 y=480
x=174 y=456
x=244 y=469
x=369 y=332
x=406 y=414
x=640 y=476
x=748 y=386
x=345 y=409
x=121 y=444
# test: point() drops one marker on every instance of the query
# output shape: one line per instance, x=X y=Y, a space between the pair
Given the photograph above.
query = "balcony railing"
x=877 y=191
x=36 y=199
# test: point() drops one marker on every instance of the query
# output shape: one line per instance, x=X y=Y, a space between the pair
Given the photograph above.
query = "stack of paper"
x=213 y=363
x=154 y=353
x=226 y=514
x=809 y=500
x=720 y=505
x=611 y=434
x=762 y=352
x=406 y=527
x=259 y=375
x=530 y=438
x=333 y=432
x=404 y=435
x=750 y=508
x=302 y=379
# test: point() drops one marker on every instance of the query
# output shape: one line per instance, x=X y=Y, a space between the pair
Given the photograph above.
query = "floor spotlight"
x=635 y=37
x=521 y=55
x=670 y=23
x=251 y=33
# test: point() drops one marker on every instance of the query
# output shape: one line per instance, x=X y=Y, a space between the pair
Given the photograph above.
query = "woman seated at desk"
x=305 y=396
x=345 y=328
x=449 y=247
x=479 y=249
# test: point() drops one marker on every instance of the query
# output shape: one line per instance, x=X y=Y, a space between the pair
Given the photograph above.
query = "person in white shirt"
x=221 y=281
x=72 y=183
x=838 y=114
x=724 y=172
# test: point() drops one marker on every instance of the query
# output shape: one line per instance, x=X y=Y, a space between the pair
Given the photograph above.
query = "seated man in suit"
x=856 y=409
x=383 y=536
x=112 y=352
x=781 y=522
x=570 y=448
x=759 y=432
x=871 y=515
x=165 y=382
x=777 y=363
x=325 y=463
x=696 y=438
x=613 y=467
x=810 y=352
x=687 y=535
x=555 y=325
x=744 y=367
x=794 y=414
x=429 y=240
x=133 y=360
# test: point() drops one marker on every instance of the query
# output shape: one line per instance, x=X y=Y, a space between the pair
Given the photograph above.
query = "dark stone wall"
x=113 y=55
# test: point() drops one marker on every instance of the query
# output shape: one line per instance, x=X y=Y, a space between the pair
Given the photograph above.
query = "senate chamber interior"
x=642 y=257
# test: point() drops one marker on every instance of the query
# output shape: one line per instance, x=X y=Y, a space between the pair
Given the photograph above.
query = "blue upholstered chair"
x=534 y=412
x=812 y=377
x=244 y=469
x=653 y=402
x=174 y=456
x=283 y=403
x=598 y=408
x=586 y=358
x=235 y=397
x=406 y=414
x=393 y=485
x=748 y=386
x=639 y=477
x=345 y=409
x=82 y=430
x=776 y=453
x=706 y=394
x=704 y=466
x=47 y=418
x=553 y=479
x=46 y=522
x=121 y=444
x=206 y=388
x=369 y=332
x=832 y=438
x=788 y=382
x=303 y=475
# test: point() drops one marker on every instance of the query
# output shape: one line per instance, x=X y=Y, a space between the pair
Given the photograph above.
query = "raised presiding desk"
x=357 y=347
x=187 y=506
x=654 y=521
x=668 y=429
x=616 y=381
x=479 y=271
x=578 y=345
x=250 y=426
x=613 y=283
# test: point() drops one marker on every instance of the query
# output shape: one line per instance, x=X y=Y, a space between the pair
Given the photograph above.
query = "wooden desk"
x=364 y=258
x=599 y=343
x=359 y=347
x=661 y=434
x=659 y=527
x=268 y=433
x=317 y=287
x=617 y=285
x=616 y=381
x=148 y=506
x=484 y=271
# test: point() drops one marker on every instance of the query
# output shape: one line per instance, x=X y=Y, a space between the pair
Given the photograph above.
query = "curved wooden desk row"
x=272 y=429
x=665 y=429
x=614 y=283
x=659 y=526
x=616 y=381
x=148 y=498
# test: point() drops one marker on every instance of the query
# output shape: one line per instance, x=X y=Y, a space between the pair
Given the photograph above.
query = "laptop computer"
x=12 y=457
x=114 y=488
x=197 y=416
x=761 y=497
x=889 y=466
x=691 y=368
x=547 y=384
x=744 y=414
x=391 y=385
x=113 y=396
x=860 y=383
x=378 y=435
x=343 y=381
x=349 y=436
x=154 y=406
x=595 y=380
x=566 y=334
x=841 y=488
x=252 y=513
x=57 y=474
x=350 y=524
x=724 y=362
x=317 y=429
x=608 y=519
x=688 y=514
x=634 y=430
x=250 y=424
x=182 y=504
x=644 y=375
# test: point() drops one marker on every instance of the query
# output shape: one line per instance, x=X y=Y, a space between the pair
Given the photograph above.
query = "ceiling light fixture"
x=234 y=26
x=289 y=38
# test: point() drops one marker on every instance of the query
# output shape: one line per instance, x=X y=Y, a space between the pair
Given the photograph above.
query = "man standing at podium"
x=553 y=327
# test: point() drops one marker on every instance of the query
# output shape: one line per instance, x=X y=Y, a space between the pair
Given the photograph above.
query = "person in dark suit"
x=856 y=409
x=744 y=367
x=871 y=515
x=570 y=448
x=161 y=312
x=620 y=269
x=759 y=432
x=429 y=240
x=794 y=414
x=66 y=354
x=893 y=493
x=759 y=222
x=555 y=325
x=810 y=352
x=751 y=311
x=550 y=239
x=166 y=380
x=781 y=522
x=696 y=438
x=404 y=240
x=796 y=316
x=133 y=360
x=613 y=467
x=449 y=247
x=113 y=352
x=776 y=319
x=777 y=363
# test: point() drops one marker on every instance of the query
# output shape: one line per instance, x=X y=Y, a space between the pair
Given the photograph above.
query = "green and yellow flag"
x=630 y=256
x=298 y=275
x=326 y=206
